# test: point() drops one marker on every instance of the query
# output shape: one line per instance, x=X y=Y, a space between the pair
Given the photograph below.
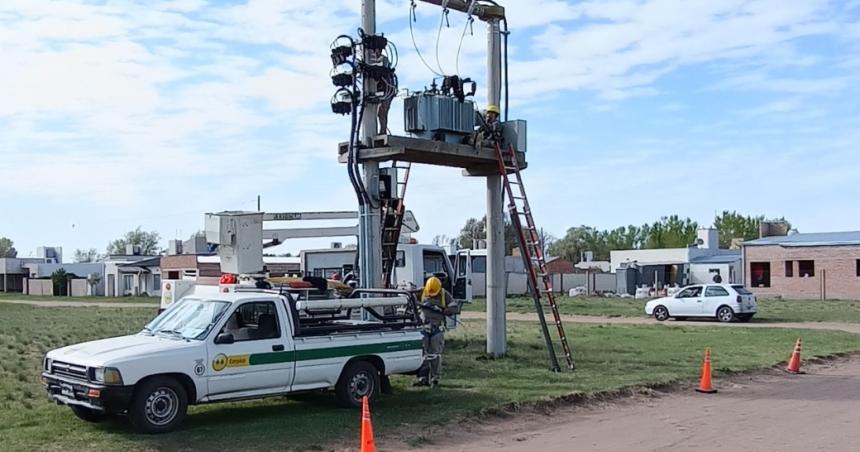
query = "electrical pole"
x=370 y=248
x=496 y=319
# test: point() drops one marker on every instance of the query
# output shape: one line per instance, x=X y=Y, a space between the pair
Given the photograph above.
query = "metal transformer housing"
x=440 y=118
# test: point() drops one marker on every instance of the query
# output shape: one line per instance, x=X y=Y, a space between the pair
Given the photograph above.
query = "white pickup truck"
x=228 y=346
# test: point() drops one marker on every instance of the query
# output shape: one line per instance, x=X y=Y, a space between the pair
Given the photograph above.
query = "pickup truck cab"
x=217 y=347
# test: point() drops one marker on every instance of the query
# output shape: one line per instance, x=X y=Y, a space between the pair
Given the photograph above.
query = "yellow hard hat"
x=493 y=108
x=432 y=287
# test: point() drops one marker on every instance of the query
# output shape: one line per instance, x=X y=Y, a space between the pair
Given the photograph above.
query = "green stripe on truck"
x=333 y=352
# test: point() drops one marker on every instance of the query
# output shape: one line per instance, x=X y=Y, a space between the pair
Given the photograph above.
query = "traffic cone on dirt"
x=367 y=443
x=705 y=383
x=794 y=362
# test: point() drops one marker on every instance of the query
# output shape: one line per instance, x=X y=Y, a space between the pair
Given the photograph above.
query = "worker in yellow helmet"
x=436 y=304
x=490 y=132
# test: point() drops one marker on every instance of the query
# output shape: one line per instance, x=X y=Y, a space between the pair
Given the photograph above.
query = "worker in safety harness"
x=490 y=132
x=436 y=304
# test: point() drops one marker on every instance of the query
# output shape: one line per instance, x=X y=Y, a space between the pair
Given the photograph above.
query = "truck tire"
x=159 y=405
x=89 y=414
x=359 y=379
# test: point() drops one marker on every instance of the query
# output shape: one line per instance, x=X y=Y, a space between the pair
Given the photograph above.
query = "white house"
x=699 y=263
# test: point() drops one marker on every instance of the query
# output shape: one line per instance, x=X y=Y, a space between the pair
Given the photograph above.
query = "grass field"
x=608 y=357
x=770 y=310
x=18 y=296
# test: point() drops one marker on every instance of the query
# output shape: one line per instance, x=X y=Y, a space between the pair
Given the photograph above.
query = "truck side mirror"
x=224 y=338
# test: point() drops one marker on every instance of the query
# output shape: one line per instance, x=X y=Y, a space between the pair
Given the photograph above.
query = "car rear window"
x=742 y=290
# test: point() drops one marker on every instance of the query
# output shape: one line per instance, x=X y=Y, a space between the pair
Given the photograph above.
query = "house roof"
x=810 y=239
x=154 y=261
x=717 y=259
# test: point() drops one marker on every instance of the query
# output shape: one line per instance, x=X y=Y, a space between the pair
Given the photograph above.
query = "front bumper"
x=69 y=391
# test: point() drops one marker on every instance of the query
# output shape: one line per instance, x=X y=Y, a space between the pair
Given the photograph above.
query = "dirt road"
x=819 y=411
x=834 y=326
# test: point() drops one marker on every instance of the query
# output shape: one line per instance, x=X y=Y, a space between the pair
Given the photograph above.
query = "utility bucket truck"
x=238 y=341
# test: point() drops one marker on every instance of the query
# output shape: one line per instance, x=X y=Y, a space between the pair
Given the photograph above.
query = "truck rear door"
x=463 y=281
x=252 y=352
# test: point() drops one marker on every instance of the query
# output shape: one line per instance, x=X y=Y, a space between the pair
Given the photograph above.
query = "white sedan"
x=725 y=302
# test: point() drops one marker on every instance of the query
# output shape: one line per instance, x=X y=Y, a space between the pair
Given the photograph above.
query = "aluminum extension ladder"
x=540 y=281
x=392 y=222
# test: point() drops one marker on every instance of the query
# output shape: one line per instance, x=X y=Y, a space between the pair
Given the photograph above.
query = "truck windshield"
x=191 y=319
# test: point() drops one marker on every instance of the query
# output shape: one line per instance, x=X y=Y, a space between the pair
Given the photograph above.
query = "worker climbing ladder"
x=531 y=249
x=393 y=211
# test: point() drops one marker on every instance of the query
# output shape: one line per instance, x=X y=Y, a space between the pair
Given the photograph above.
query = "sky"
x=121 y=114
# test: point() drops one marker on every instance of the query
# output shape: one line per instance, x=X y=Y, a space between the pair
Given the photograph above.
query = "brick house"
x=814 y=266
x=559 y=265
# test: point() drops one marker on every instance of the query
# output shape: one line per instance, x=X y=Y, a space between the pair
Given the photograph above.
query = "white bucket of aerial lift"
x=172 y=290
x=349 y=303
x=239 y=236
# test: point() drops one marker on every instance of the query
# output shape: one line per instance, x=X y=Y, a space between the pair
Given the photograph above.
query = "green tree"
x=7 y=248
x=147 y=241
x=60 y=281
x=732 y=225
x=579 y=239
x=475 y=230
x=670 y=232
x=90 y=255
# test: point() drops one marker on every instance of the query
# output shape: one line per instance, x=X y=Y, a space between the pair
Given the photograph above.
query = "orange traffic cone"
x=367 y=443
x=794 y=362
x=705 y=384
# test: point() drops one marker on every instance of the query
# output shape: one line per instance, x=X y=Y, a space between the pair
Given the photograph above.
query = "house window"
x=127 y=283
x=760 y=274
x=806 y=269
x=789 y=269
x=858 y=267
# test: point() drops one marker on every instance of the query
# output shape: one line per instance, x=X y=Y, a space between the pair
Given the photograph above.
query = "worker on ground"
x=436 y=304
x=490 y=131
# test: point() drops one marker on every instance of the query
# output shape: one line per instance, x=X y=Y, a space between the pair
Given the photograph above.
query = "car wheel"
x=359 y=379
x=89 y=414
x=159 y=405
x=725 y=314
x=661 y=313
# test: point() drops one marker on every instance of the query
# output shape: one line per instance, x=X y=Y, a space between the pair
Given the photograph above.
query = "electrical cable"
x=442 y=20
x=411 y=19
x=469 y=21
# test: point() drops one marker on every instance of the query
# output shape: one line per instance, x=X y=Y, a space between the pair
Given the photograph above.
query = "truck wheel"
x=159 y=405
x=359 y=379
x=89 y=414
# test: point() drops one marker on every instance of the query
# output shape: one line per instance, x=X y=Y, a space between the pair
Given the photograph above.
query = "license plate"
x=67 y=391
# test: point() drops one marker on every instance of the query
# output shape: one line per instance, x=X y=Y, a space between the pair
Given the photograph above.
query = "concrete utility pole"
x=370 y=248
x=496 y=320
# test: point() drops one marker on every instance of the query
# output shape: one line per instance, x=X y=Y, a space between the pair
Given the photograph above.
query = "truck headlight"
x=46 y=364
x=107 y=375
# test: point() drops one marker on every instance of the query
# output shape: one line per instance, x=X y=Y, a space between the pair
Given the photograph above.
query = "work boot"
x=421 y=382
